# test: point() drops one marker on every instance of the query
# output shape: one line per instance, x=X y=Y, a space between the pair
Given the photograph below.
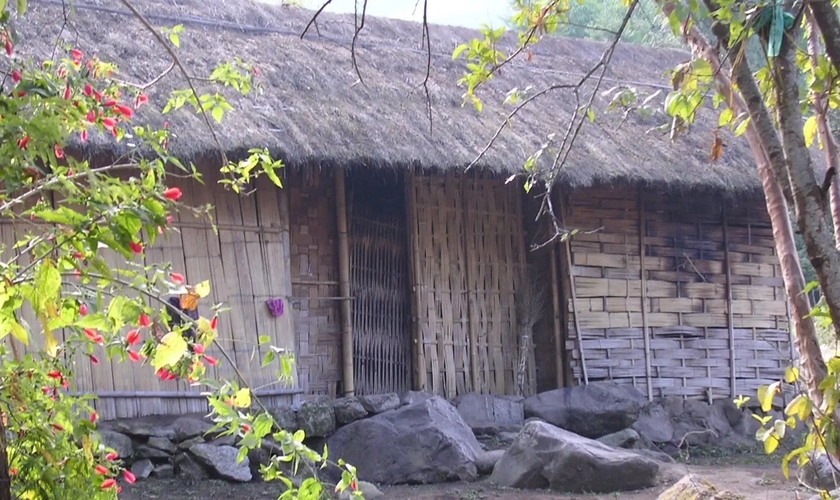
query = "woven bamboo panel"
x=314 y=272
x=379 y=286
x=468 y=257
x=704 y=303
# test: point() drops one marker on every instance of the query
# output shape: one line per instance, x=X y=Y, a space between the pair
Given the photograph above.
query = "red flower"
x=55 y=374
x=67 y=93
x=93 y=335
x=134 y=356
x=59 y=153
x=88 y=90
x=129 y=477
x=112 y=456
x=13 y=471
x=177 y=278
x=9 y=48
x=144 y=320
x=256 y=70
x=169 y=220
x=94 y=417
x=21 y=93
x=83 y=136
x=23 y=142
x=108 y=484
x=133 y=337
x=246 y=427
x=141 y=100
x=102 y=470
x=354 y=486
x=198 y=349
x=98 y=95
x=62 y=72
x=109 y=123
x=172 y=193
x=214 y=322
x=110 y=103
x=57 y=427
x=93 y=359
x=162 y=373
x=83 y=309
x=125 y=110
x=91 y=116
x=77 y=54
x=211 y=360
x=16 y=76
x=135 y=247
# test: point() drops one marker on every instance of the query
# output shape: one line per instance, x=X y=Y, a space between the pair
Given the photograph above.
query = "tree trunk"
x=826 y=18
x=5 y=479
x=824 y=129
x=813 y=366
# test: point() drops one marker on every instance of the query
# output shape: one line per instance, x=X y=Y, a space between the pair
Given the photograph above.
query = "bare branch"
x=360 y=25
x=314 y=18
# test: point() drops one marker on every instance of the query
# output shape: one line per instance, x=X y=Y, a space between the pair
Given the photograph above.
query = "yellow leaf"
x=50 y=344
x=242 y=398
x=810 y=130
x=87 y=446
x=171 y=349
x=800 y=406
x=203 y=325
x=791 y=374
x=770 y=444
x=779 y=427
x=766 y=393
x=203 y=289
x=11 y=326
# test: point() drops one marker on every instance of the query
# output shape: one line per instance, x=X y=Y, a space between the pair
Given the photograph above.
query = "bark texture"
x=826 y=19
x=5 y=480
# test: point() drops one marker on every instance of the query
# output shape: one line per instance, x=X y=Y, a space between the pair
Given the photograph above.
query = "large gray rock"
x=222 y=461
x=316 y=417
x=592 y=410
x=819 y=473
x=161 y=443
x=411 y=397
x=142 y=469
x=485 y=461
x=547 y=457
x=621 y=439
x=348 y=410
x=187 y=466
x=485 y=411
x=380 y=403
x=120 y=443
x=655 y=424
x=189 y=427
x=426 y=442
x=164 y=471
x=141 y=429
x=285 y=417
x=144 y=451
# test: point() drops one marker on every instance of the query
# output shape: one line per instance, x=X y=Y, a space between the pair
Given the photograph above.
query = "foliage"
x=62 y=295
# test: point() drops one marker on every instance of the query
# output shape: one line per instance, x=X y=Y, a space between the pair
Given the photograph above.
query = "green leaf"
x=739 y=131
x=48 y=282
x=97 y=321
x=590 y=114
x=21 y=7
x=11 y=326
x=810 y=130
x=268 y=358
x=175 y=39
x=770 y=444
x=264 y=339
x=218 y=113
x=242 y=398
x=726 y=117
x=171 y=349
x=2 y=5
x=459 y=50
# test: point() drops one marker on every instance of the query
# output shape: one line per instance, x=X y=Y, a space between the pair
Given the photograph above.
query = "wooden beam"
x=559 y=340
x=416 y=287
x=570 y=267
x=730 y=323
x=472 y=299
x=645 y=331
x=344 y=283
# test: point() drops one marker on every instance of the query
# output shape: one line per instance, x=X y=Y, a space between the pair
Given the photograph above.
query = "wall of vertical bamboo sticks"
x=700 y=279
x=467 y=252
x=245 y=263
x=379 y=284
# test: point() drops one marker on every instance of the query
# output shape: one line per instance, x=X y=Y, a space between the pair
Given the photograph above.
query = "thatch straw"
x=314 y=111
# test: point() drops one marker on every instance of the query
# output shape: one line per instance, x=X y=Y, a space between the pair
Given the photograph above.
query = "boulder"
x=369 y=491
x=189 y=427
x=818 y=473
x=316 y=417
x=140 y=429
x=411 y=397
x=425 y=442
x=120 y=443
x=380 y=403
x=188 y=467
x=547 y=457
x=164 y=471
x=144 y=451
x=161 y=443
x=621 y=439
x=285 y=417
x=185 y=445
x=485 y=461
x=591 y=411
x=485 y=411
x=655 y=424
x=221 y=460
x=657 y=455
x=348 y=410
x=142 y=468
x=692 y=487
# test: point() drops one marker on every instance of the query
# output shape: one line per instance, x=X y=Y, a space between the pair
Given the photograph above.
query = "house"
x=396 y=269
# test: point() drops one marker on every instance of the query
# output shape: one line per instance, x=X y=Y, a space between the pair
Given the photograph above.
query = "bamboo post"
x=344 y=282
x=418 y=359
x=559 y=360
x=472 y=316
x=729 y=313
x=645 y=331
x=573 y=291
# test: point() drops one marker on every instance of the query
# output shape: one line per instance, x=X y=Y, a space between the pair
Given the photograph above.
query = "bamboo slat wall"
x=467 y=258
x=659 y=266
x=246 y=264
x=379 y=286
x=314 y=271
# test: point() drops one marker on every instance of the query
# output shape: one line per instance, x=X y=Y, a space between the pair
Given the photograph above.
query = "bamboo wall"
x=245 y=262
x=700 y=280
x=467 y=252
x=314 y=272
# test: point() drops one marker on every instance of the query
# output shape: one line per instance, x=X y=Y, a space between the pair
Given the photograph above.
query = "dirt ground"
x=755 y=482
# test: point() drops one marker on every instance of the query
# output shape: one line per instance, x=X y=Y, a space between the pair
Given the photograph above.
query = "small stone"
x=691 y=486
x=222 y=460
x=227 y=440
x=162 y=443
x=187 y=466
x=285 y=418
x=188 y=427
x=316 y=417
x=369 y=491
x=185 y=445
x=120 y=443
x=380 y=403
x=164 y=471
x=144 y=451
x=348 y=410
x=142 y=468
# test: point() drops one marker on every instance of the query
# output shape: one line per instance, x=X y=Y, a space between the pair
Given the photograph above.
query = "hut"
x=398 y=270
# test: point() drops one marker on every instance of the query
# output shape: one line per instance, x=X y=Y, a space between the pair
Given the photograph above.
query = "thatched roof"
x=314 y=111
